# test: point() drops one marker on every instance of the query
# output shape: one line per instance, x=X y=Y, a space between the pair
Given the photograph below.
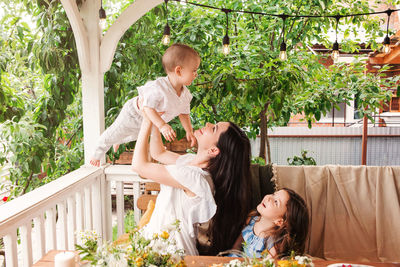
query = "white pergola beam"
x=110 y=40
x=95 y=57
x=80 y=34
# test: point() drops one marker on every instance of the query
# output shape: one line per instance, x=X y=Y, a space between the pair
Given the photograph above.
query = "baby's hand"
x=167 y=132
x=190 y=137
x=95 y=162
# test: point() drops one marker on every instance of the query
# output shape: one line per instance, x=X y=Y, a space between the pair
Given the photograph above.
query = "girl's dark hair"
x=230 y=172
x=292 y=234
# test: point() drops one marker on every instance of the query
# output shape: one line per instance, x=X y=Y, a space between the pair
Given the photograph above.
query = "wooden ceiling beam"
x=392 y=58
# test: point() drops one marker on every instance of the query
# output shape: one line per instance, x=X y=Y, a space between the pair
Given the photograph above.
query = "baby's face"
x=189 y=71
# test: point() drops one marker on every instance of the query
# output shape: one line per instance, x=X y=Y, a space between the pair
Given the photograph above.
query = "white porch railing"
x=48 y=217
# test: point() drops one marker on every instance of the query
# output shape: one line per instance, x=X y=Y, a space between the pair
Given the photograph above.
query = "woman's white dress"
x=173 y=203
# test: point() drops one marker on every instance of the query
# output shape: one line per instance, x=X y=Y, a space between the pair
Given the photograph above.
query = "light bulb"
x=335 y=52
x=386 y=44
x=102 y=16
x=226 y=49
x=103 y=23
x=386 y=49
x=165 y=39
x=225 y=45
x=282 y=55
x=335 y=55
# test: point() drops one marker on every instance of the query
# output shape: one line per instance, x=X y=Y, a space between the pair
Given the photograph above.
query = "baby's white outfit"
x=159 y=95
x=173 y=203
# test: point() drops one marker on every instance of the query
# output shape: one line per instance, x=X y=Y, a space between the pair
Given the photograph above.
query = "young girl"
x=278 y=226
x=213 y=183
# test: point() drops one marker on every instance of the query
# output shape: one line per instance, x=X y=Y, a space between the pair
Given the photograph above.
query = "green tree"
x=39 y=79
x=40 y=76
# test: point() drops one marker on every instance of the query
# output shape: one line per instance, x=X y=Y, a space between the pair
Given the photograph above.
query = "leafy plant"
x=303 y=160
x=129 y=224
x=258 y=160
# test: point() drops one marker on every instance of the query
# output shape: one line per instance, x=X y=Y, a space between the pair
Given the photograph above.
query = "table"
x=206 y=261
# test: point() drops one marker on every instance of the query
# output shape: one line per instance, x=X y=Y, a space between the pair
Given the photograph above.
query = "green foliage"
x=25 y=149
x=327 y=87
x=258 y=160
x=303 y=160
x=40 y=76
x=39 y=80
x=129 y=224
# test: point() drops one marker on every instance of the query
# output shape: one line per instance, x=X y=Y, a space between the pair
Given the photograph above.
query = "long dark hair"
x=292 y=234
x=230 y=172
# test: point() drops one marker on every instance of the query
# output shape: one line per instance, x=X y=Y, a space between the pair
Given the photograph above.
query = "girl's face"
x=273 y=207
x=208 y=136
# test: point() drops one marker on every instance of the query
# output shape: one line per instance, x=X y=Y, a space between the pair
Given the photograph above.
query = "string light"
x=102 y=16
x=225 y=41
x=282 y=52
x=386 y=41
x=335 y=48
x=166 y=36
x=167 y=31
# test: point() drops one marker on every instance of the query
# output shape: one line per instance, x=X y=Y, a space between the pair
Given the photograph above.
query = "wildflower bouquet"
x=161 y=250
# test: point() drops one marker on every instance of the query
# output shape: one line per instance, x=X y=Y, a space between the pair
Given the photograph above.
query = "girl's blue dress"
x=253 y=245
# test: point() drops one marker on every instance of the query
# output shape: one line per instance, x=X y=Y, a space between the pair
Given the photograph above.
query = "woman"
x=221 y=168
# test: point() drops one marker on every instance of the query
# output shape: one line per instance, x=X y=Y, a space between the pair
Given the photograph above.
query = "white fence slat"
x=120 y=207
x=96 y=211
x=88 y=208
x=51 y=235
x=62 y=225
x=136 y=193
x=79 y=211
x=40 y=235
x=26 y=243
x=71 y=219
x=107 y=209
x=10 y=246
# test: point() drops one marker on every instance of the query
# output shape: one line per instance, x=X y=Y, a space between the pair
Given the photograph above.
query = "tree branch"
x=27 y=183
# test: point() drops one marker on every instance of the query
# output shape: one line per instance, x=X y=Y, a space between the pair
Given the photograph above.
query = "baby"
x=167 y=96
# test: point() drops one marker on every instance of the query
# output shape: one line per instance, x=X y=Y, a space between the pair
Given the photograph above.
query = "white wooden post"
x=92 y=81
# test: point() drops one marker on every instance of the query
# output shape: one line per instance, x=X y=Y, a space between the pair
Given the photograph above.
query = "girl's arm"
x=147 y=169
x=158 y=151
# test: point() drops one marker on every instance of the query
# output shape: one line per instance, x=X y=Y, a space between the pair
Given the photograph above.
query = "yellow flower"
x=181 y=264
x=289 y=263
x=155 y=236
x=145 y=255
x=139 y=261
x=164 y=235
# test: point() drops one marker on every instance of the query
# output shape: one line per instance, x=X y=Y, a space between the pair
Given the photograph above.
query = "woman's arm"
x=147 y=169
x=158 y=151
